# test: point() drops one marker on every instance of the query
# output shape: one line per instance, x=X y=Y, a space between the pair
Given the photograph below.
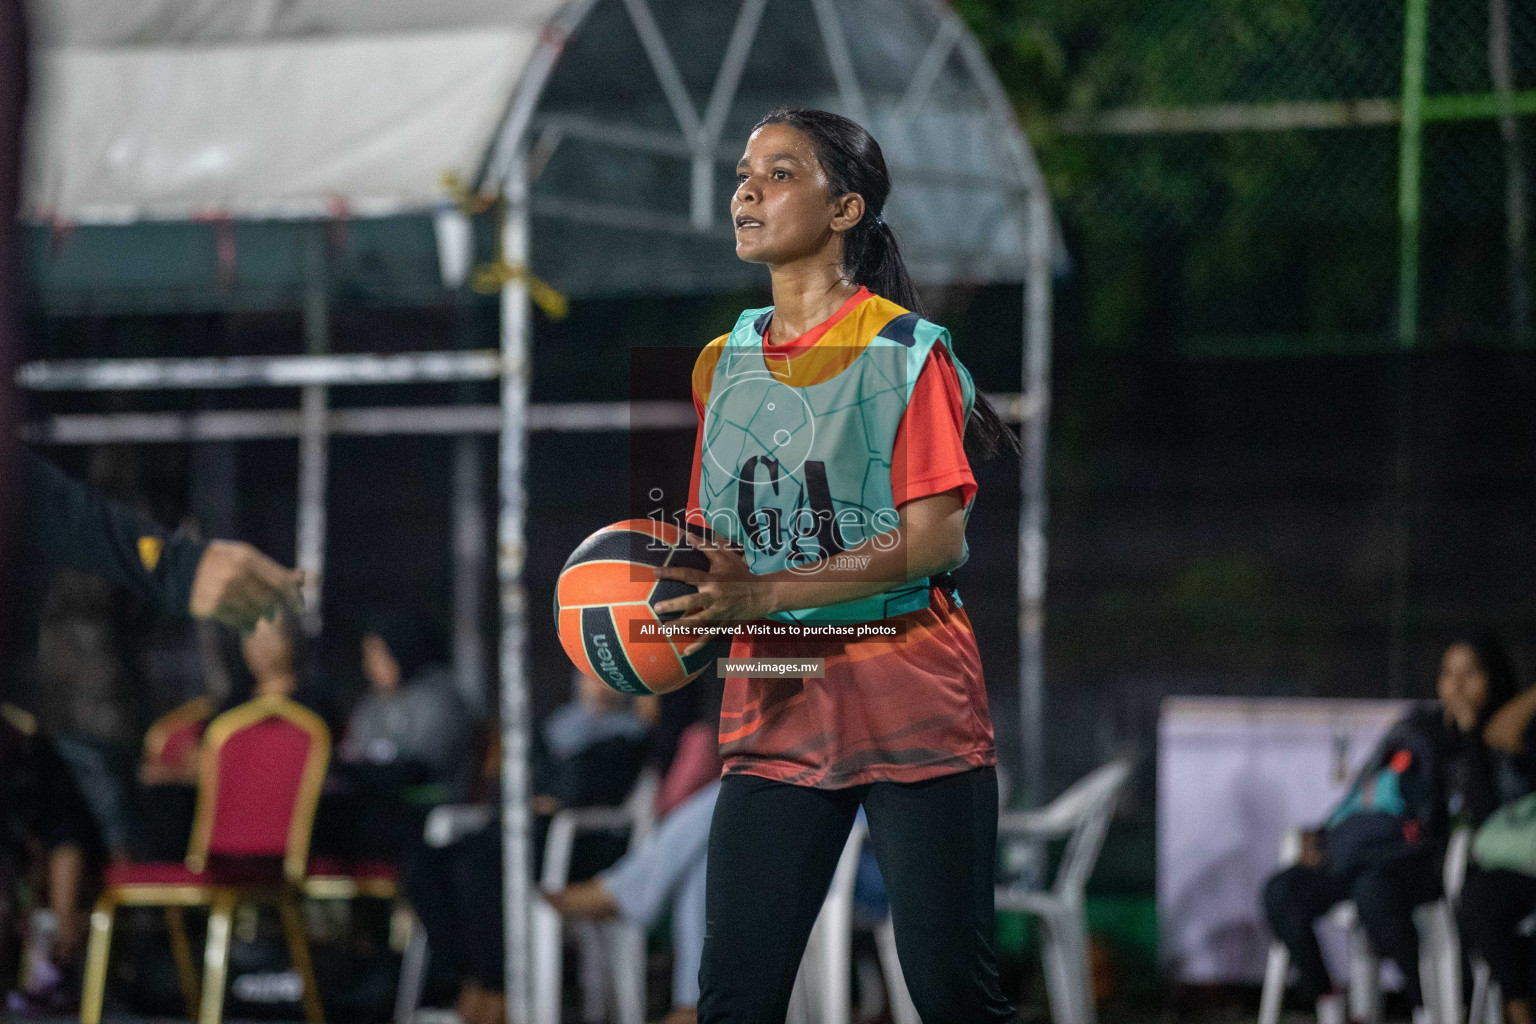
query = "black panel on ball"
x=690 y=558
x=621 y=546
x=667 y=589
x=605 y=649
x=705 y=655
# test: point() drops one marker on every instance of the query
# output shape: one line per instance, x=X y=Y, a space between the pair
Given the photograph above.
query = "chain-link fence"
x=1230 y=120
x=1257 y=486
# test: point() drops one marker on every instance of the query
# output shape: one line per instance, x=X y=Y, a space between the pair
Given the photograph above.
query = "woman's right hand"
x=1311 y=849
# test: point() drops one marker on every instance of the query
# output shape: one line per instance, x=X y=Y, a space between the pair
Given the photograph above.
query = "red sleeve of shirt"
x=694 y=514
x=929 y=457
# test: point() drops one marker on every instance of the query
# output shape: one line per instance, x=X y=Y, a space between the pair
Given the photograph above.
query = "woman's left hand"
x=728 y=592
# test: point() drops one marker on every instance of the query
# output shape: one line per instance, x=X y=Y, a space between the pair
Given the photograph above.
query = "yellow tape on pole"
x=490 y=278
x=466 y=200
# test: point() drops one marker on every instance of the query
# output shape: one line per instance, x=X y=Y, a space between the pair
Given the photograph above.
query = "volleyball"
x=605 y=608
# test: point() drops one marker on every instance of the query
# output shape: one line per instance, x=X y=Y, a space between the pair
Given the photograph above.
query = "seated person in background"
x=1384 y=845
x=273 y=655
x=1494 y=902
x=666 y=871
x=589 y=753
x=412 y=717
x=407 y=744
x=455 y=887
x=47 y=827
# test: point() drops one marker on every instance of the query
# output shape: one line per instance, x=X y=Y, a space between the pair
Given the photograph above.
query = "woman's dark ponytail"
x=986 y=434
x=853 y=163
x=874 y=260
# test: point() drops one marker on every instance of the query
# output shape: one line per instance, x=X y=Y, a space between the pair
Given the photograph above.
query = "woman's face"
x=1462 y=686
x=268 y=653
x=783 y=209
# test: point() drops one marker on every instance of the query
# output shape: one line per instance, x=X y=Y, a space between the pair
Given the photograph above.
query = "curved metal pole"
x=516 y=833
x=1034 y=489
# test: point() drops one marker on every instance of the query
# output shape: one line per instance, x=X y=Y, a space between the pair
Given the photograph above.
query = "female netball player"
x=832 y=450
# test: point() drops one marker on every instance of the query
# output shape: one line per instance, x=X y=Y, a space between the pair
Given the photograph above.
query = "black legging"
x=773 y=848
x=1493 y=903
x=1384 y=896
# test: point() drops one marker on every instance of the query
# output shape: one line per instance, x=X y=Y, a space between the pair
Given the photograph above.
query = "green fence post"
x=1410 y=163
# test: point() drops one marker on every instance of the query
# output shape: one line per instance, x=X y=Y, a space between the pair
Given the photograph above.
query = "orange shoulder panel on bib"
x=704 y=370
x=829 y=355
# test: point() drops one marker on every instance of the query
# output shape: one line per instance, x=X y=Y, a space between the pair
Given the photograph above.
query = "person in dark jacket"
x=69 y=524
x=1383 y=846
x=65 y=523
x=1494 y=902
x=588 y=753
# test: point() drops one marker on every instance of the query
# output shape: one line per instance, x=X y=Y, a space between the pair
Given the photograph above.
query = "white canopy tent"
x=608 y=126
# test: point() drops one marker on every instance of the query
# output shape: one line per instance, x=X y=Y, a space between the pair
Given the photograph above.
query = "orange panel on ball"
x=603 y=583
x=573 y=642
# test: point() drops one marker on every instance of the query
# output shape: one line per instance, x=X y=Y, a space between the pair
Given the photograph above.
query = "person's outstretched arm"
x=69 y=524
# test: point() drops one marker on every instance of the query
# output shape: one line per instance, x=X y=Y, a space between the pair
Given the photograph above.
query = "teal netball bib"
x=797 y=475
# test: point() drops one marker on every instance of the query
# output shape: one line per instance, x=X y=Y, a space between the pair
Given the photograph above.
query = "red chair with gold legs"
x=259 y=780
x=172 y=742
x=171 y=748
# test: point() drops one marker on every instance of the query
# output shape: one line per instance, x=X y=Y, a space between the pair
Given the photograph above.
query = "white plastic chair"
x=1082 y=814
x=821 y=994
x=1487 y=1004
x=1440 y=938
x=445 y=825
x=612 y=952
x=1439 y=948
x=413 y=976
